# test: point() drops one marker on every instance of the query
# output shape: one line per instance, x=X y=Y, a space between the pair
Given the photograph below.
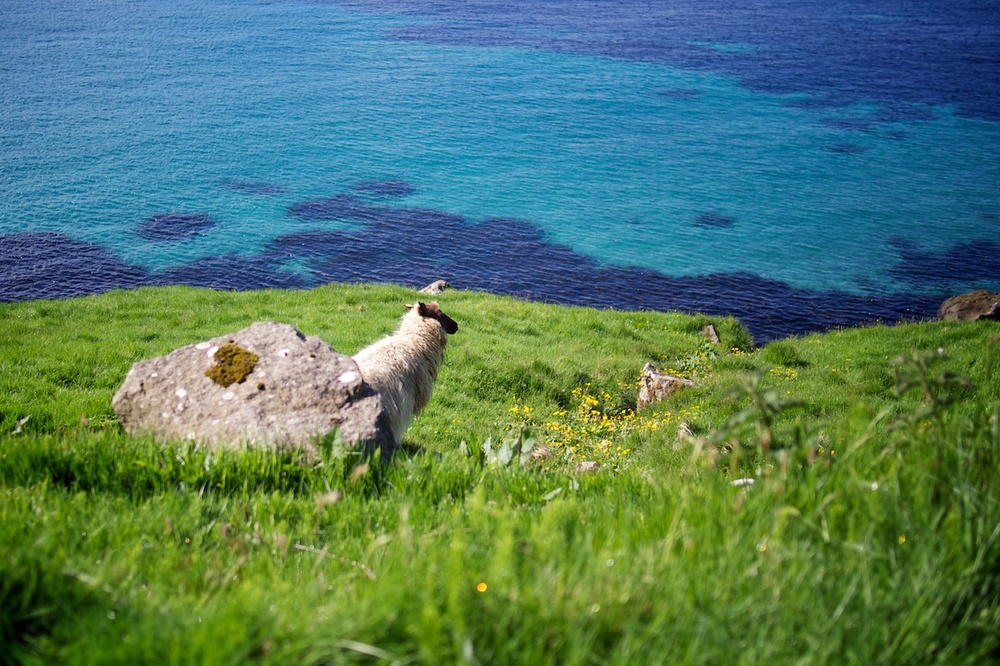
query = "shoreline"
x=54 y=266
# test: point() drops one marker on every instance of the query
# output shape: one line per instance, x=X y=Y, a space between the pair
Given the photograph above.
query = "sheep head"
x=433 y=311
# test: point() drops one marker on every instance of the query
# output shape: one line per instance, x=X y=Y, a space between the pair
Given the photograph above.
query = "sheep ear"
x=407 y=306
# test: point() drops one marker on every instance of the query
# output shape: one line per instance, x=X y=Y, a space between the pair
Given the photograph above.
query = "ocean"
x=802 y=164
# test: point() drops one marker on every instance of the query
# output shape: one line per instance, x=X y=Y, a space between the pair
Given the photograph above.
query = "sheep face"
x=433 y=311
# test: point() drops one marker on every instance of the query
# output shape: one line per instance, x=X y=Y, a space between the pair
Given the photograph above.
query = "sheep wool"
x=402 y=367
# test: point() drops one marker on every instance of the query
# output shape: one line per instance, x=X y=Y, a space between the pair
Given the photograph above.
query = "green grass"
x=871 y=533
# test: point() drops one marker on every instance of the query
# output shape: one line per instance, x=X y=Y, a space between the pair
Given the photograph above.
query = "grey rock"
x=655 y=385
x=435 y=288
x=710 y=333
x=540 y=452
x=980 y=304
x=298 y=391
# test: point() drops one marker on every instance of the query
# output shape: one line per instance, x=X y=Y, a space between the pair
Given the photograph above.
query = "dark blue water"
x=801 y=165
x=902 y=56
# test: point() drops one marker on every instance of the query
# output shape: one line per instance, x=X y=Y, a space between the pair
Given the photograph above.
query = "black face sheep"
x=403 y=366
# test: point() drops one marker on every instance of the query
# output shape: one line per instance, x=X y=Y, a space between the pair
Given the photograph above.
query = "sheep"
x=402 y=367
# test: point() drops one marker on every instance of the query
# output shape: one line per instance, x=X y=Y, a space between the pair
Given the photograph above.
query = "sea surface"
x=800 y=164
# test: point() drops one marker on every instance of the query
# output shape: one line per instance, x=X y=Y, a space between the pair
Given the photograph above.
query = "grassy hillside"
x=871 y=533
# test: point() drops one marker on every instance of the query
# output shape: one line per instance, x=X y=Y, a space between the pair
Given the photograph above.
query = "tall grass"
x=870 y=533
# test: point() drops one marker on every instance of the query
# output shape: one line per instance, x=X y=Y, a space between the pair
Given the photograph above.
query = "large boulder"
x=980 y=304
x=267 y=385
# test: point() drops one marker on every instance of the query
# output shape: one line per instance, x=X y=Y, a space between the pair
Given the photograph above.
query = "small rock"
x=587 y=467
x=435 y=288
x=328 y=499
x=980 y=304
x=541 y=453
x=709 y=332
x=656 y=385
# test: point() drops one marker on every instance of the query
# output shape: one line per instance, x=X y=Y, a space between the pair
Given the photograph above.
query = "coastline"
x=54 y=266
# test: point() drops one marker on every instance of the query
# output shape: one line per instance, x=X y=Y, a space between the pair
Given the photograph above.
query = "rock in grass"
x=436 y=287
x=980 y=304
x=655 y=385
x=267 y=385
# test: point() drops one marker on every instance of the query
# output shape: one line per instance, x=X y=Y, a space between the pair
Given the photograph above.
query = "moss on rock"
x=232 y=365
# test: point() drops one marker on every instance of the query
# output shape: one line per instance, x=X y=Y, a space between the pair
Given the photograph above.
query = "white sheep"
x=402 y=367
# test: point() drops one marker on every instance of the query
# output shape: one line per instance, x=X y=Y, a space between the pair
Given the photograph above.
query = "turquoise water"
x=112 y=113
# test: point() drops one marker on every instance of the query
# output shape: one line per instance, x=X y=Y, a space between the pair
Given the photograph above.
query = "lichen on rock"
x=232 y=365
